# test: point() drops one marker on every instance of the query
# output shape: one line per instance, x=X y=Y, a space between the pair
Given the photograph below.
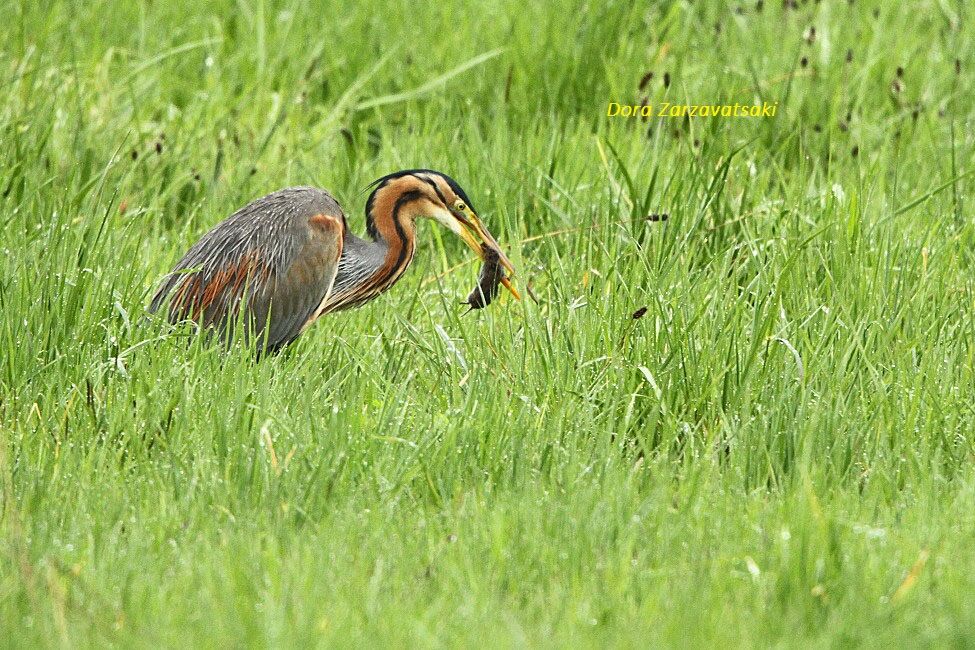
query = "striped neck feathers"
x=391 y=213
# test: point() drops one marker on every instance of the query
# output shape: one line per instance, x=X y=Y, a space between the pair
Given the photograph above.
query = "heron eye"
x=459 y=206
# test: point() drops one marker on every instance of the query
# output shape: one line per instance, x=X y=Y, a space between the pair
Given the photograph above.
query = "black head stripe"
x=436 y=188
x=458 y=190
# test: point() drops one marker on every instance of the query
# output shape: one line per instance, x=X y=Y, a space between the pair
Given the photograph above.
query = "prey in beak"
x=482 y=242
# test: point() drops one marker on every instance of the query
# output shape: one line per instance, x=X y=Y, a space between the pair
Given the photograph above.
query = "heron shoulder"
x=295 y=202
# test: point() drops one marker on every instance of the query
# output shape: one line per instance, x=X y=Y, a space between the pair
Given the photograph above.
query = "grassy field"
x=779 y=452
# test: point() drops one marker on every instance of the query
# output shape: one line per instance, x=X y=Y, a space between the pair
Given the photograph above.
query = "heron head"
x=447 y=203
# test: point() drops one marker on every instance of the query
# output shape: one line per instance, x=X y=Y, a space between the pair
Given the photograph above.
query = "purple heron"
x=282 y=261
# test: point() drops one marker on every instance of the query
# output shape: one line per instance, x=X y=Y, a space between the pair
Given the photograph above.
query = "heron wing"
x=268 y=267
x=290 y=303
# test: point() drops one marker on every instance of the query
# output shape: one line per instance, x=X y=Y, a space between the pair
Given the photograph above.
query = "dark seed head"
x=645 y=79
x=134 y=154
x=158 y=147
x=855 y=151
x=666 y=80
x=849 y=56
x=804 y=62
x=957 y=66
x=638 y=314
x=900 y=71
x=759 y=6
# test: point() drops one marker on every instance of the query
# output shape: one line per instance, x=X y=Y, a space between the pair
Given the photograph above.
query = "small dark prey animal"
x=488 y=281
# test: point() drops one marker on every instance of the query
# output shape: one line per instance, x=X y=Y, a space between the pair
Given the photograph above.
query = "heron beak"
x=471 y=230
x=467 y=234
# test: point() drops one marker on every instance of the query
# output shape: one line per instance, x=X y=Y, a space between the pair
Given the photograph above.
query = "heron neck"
x=391 y=222
x=370 y=266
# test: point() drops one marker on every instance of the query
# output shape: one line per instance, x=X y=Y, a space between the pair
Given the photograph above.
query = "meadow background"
x=779 y=451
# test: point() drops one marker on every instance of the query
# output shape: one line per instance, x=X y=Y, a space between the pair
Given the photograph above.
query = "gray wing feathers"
x=297 y=294
x=276 y=257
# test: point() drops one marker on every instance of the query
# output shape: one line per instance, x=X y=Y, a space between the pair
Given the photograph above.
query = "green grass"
x=779 y=452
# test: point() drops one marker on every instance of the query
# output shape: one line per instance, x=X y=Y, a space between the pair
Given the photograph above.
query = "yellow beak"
x=471 y=230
